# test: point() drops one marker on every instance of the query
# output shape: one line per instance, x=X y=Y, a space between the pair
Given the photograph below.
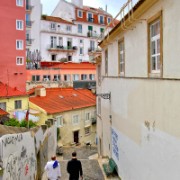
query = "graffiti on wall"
x=115 y=148
x=19 y=158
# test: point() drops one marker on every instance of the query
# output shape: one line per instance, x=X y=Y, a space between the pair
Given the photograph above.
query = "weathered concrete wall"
x=18 y=155
x=24 y=155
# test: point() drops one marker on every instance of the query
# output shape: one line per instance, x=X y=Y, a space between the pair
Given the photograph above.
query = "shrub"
x=24 y=123
x=12 y=122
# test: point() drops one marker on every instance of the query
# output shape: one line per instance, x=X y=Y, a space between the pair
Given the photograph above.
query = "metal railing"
x=60 y=47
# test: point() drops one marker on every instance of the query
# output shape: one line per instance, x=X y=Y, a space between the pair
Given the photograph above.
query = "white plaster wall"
x=136 y=45
x=18 y=154
x=66 y=131
x=64 y=10
x=35 y=29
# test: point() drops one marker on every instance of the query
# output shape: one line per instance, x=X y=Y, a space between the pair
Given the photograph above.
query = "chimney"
x=78 y=3
x=40 y=92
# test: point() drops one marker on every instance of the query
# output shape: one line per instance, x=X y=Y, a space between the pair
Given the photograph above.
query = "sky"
x=113 y=6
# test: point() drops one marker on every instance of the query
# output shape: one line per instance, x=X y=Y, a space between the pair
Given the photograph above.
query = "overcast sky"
x=113 y=6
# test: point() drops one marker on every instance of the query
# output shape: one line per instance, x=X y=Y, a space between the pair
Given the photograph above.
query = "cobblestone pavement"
x=92 y=166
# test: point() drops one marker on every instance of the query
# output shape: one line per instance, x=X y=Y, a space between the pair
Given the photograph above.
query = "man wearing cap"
x=53 y=169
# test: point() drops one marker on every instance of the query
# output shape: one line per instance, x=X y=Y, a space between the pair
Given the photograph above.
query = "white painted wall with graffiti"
x=17 y=152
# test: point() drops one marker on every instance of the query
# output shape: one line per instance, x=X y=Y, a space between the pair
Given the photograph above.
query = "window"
x=121 y=57
x=81 y=41
x=101 y=19
x=53 y=57
x=19 y=60
x=83 y=76
x=28 y=20
x=80 y=13
x=92 y=45
x=53 y=42
x=90 y=28
x=108 y=20
x=19 y=25
x=75 y=119
x=75 y=77
x=92 y=76
x=80 y=60
x=99 y=74
x=99 y=106
x=17 y=104
x=67 y=77
x=87 y=118
x=69 y=43
x=87 y=130
x=59 y=121
x=3 y=105
x=46 y=77
x=106 y=62
x=35 y=77
x=19 y=44
x=57 y=77
x=79 y=28
x=81 y=51
x=90 y=17
x=19 y=3
x=53 y=26
x=69 y=58
x=155 y=42
x=60 y=42
x=68 y=28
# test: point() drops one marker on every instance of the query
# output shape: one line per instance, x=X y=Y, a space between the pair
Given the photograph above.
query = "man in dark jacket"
x=74 y=168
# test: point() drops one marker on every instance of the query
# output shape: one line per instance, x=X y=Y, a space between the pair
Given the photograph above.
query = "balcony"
x=29 y=23
x=62 y=48
x=29 y=42
x=87 y=123
x=92 y=34
x=91 y=50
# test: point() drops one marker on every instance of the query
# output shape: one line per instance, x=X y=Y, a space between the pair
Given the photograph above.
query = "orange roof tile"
x=58 y=100
x=2 y=112
x=55 y=19
x=7 y=91
x=69 y=65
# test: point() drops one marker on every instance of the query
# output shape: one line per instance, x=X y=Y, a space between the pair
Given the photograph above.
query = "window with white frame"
x=68 y=28
x=92 y=76
x=106 y=61
x=79 y=28
x=3 y=105
x=101 y=19
x=108 y=20
x=67 y=77
x=57 y=77
x=87 y=130
x=59 y=121
x=99 y=74
x=19 y=3
x=35 y=77
x=53 y=26
x=121 y=57
x=80 y=13
x=46 y=77
x=87 y=116
x=92 y=45
x=155 y=46
x=81 y=51
x=81 y=41
x=19 y=60
x=90 y=17
x=19 y=25
x=19 y=44
x=53 y=42
x=75 y=77
x=99 y=106
x=75 y=119
x=17 y=104
x=83 y=76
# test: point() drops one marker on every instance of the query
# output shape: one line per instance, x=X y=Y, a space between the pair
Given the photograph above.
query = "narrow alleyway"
x=89 y=160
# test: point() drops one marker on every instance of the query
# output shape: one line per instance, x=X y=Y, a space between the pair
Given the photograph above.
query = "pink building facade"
x=12 y=43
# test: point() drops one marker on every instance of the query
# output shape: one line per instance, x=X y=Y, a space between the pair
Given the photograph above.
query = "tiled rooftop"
x=64 y=99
